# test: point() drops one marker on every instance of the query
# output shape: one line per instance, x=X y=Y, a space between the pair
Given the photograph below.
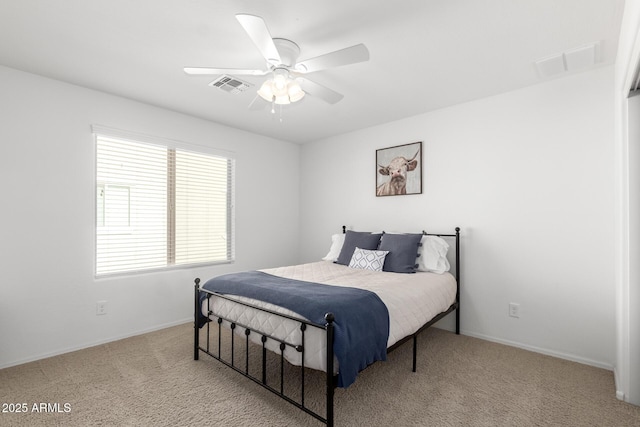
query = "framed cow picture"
x=399 y=170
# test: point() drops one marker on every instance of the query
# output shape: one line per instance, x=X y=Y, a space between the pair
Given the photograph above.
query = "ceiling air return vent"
x=577 y=59
x=230 y=84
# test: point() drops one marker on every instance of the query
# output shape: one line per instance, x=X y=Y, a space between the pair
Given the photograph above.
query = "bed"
x=337 y=315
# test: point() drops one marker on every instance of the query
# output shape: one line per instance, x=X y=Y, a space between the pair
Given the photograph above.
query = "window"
x=160 y=205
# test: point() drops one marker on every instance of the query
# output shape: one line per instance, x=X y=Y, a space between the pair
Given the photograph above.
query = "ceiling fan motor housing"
x=288 y=50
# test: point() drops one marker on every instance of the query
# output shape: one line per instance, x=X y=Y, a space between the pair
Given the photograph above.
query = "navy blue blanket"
x=361 y=327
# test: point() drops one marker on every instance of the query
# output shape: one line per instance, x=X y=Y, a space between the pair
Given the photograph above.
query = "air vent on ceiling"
x=230 y=84
x=577 y=59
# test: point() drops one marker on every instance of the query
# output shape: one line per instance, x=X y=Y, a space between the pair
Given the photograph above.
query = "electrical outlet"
x=514 y=309
x=101 y=308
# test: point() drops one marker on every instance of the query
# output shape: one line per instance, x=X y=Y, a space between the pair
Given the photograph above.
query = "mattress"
x=411 y=299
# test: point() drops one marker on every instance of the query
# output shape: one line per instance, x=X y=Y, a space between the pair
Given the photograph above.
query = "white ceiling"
x=425 y=54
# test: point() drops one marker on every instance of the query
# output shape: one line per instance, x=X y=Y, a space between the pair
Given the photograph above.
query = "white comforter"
x=411 y=299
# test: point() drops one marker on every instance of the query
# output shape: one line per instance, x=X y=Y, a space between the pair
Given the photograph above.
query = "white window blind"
x=159 y=206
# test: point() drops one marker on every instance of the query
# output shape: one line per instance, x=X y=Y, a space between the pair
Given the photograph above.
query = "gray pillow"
x=361 y=239
x=403 y=251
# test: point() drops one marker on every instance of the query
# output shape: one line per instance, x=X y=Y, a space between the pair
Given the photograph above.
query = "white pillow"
x=368 y=260
x=433 y=255
x=337 y=240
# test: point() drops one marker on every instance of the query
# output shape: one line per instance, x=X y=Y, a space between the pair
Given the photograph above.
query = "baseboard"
x=560 y=355
x=616 y=382
x=573 y=358
x=95 y=343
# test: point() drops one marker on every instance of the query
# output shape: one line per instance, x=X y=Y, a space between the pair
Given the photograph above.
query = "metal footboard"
x=216 y=353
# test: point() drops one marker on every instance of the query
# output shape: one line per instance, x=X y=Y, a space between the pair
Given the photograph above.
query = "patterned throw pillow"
x=368 y=260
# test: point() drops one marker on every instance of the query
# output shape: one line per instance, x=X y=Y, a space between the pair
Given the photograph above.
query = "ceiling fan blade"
x=203 y=71
x=257 y=30
x=346 y=56
x=319 y=91
x=258 y=104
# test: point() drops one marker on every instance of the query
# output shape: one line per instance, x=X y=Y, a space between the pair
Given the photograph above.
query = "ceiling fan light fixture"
x=295 y=92
x=280 y=79
x=265 y=91
x=282 y=100
x=281 y=89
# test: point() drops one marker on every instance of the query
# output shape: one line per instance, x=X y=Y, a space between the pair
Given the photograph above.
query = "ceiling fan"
x=287 y=83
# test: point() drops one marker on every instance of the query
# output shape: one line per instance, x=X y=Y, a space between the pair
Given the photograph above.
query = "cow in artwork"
x=397 y=171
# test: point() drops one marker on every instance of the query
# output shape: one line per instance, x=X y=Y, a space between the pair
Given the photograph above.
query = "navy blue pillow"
x=403 y=251
x=361 y=239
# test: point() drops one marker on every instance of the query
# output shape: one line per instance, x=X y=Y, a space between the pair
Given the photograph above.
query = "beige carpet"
x=152 y=380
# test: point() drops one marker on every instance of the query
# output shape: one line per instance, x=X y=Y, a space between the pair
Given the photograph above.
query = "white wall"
x=528 y=176
x=48 y=292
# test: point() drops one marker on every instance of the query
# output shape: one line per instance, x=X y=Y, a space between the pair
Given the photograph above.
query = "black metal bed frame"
x=331 y=382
